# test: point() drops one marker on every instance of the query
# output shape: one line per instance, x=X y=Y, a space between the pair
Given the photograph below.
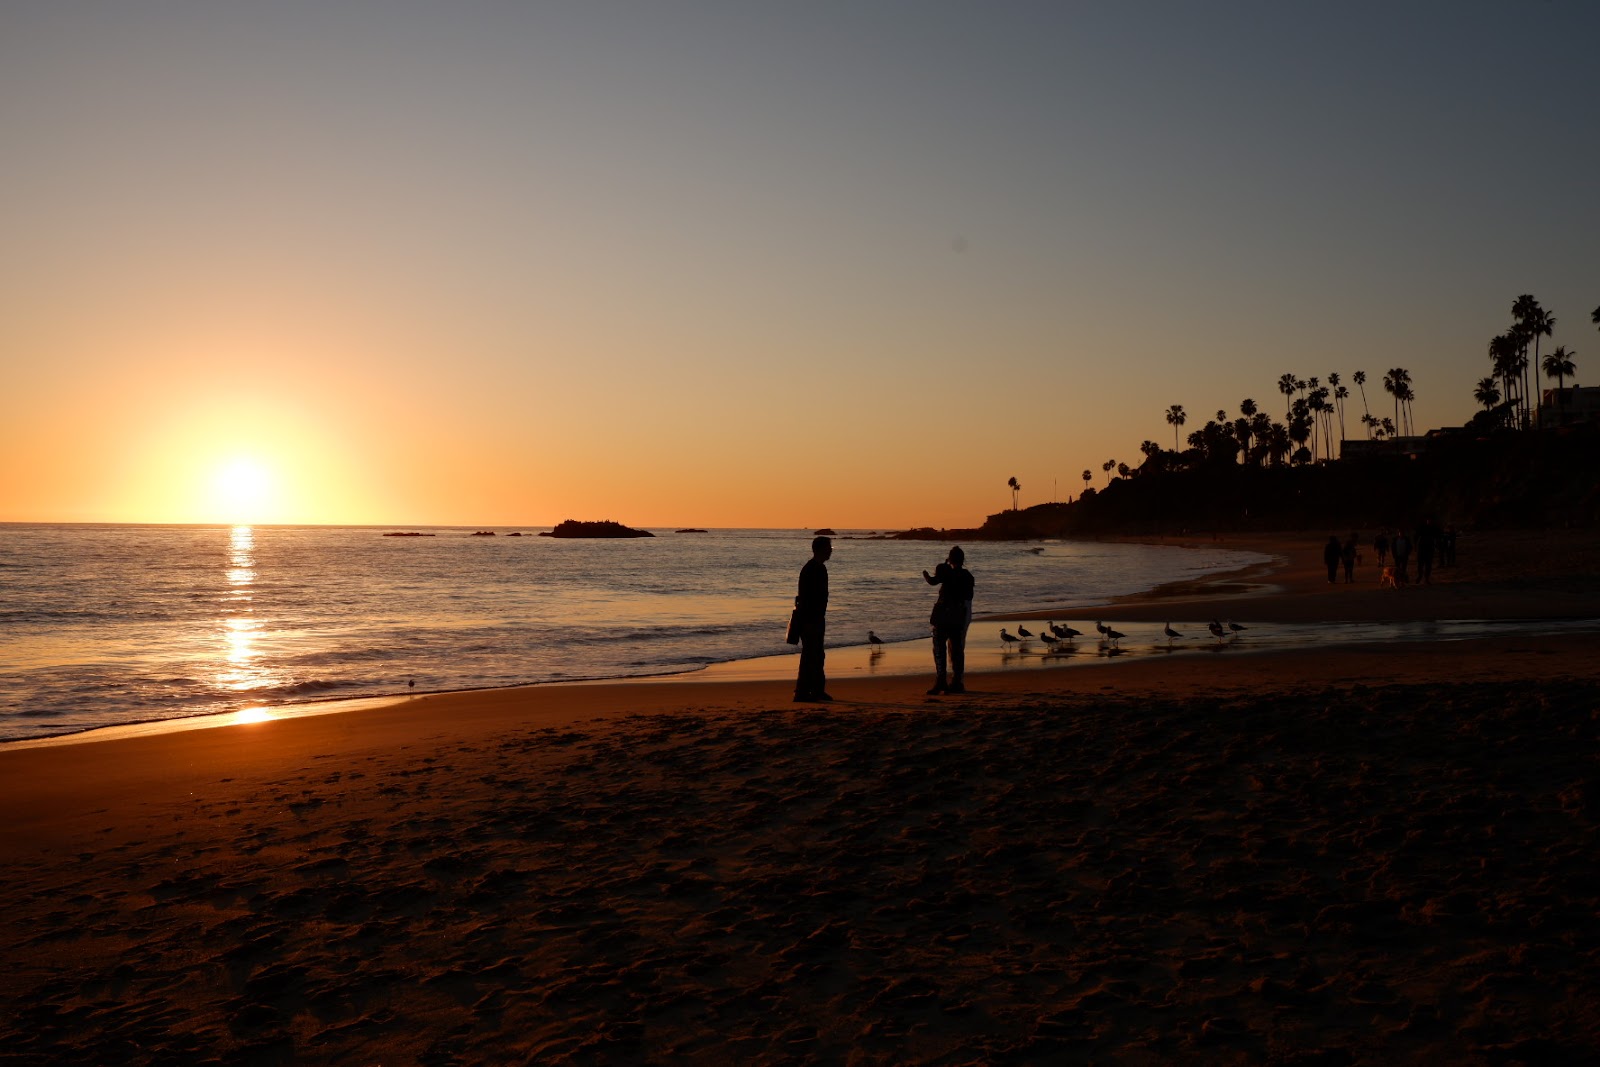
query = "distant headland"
x=1502 y=479
x=605 y=528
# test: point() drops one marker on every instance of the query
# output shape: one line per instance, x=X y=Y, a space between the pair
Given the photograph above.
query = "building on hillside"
x=1567 y=407
x=1359 y=448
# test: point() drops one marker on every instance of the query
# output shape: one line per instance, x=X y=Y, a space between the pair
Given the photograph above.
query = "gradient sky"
x=732 y=264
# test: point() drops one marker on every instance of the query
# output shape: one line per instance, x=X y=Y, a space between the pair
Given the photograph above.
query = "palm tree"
x=1261 y=430
x=1360 y=378
x=1278 y=443
x=1536 y=322
x=1487 y=393
x=1503 y=351
x=1016 y=487
x=1243 y=428
x=1300 y=430
x=1397 y=383
x=1108 y=466
x=1315 y=405
x=1123 y=470
x=1286 y=386
x=1559 y=365
x=1175 y=419
x=1086 y=477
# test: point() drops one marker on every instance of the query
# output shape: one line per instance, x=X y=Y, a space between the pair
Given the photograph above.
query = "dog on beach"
x=1386 y=579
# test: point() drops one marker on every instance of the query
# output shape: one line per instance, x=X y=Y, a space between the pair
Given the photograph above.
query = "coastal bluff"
x=605 y=528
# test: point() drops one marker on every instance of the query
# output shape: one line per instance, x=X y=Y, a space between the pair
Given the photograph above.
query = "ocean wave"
x=27 y=615
x=313 y=685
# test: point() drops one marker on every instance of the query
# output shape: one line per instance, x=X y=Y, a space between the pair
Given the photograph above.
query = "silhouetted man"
x=811 y=612
x=952 y=614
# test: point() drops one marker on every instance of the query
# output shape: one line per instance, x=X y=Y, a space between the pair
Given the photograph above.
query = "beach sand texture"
x=1368 y=855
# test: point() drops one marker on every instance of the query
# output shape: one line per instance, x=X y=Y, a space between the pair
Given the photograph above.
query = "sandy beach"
x=1358 y=854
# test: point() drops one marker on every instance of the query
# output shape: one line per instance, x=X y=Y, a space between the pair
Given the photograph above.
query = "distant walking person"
x=1332 y=552
x=1427 y=544
x=811 y=614
x=1348 y=558
x=952 y=614
x=1381 y=546
x=1400 y=549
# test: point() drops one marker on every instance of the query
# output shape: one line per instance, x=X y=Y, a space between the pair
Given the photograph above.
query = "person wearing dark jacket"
x=811 y=615
x=1332 y=552
x=952 y=614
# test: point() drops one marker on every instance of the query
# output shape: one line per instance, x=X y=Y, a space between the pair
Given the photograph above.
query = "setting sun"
x=241 y=491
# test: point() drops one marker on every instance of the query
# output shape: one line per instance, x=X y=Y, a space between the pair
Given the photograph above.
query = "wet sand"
x=1363 y=854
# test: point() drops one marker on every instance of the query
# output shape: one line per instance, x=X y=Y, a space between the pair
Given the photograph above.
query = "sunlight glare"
x=249 y=715
x=242 y=490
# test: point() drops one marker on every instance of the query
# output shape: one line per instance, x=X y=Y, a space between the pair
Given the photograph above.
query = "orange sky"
x=794 y=268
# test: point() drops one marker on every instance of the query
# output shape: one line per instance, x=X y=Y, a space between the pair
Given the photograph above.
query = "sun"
x=242 y=491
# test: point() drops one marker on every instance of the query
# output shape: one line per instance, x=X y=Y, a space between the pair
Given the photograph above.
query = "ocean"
x=104 y=625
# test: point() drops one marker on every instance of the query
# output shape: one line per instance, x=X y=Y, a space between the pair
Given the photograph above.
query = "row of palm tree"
x=1311 y=408
x=1508 y=387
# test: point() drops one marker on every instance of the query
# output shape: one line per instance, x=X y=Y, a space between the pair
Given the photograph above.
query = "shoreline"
x=1286 y=588
x=737 y=667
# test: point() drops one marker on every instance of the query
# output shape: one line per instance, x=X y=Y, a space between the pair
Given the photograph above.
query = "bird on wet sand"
x=1024 y=633
x=1216 y=629
x=1114 y=635
x=1102 y=627
x=1235 y=627
x=874 y=640
x=1066 y=633
x=1006 y=640
x=1170 y=632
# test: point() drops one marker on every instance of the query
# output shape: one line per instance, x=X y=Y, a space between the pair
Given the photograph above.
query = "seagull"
x=1006 y=640
x=873 y=639
x=1102 y=627
x=1051 y=641
x=1066 y=633
x=1216 y=629
x=1022 y=632
x=1113 y=636
x=1170 y=632
x=1235 y=627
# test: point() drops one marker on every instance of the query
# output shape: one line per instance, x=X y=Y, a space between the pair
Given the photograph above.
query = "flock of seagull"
x=1066 y=635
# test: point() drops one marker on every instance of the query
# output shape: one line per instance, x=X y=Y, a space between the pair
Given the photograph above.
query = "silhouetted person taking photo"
x=952 y=614
x=811 y=615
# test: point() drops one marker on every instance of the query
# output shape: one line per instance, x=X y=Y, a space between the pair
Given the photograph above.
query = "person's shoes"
x=938 y=687
x=823 y=698
x=956 y=688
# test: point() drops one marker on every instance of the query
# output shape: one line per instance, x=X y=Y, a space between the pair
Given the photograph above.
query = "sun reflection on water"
x=240 y=631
